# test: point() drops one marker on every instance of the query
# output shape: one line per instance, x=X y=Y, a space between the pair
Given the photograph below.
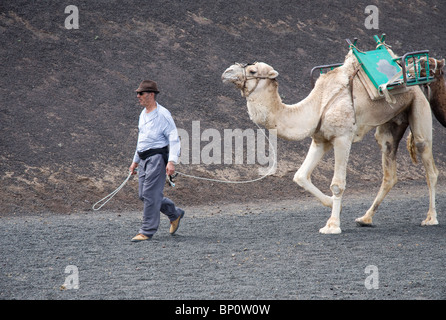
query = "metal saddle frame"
x=382 y=71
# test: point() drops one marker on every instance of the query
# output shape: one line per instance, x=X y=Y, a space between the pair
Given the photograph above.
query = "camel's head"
x=435 y=66
x=248 y=77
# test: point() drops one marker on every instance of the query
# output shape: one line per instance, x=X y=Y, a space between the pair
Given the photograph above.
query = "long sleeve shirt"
x=157 y=130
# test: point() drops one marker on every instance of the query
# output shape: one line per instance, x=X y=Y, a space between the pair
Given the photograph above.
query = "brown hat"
x=148 y=85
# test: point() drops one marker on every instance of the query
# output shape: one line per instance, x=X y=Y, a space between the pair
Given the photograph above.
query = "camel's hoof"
x=361 y=223
x=429 y=222
x=330 y=230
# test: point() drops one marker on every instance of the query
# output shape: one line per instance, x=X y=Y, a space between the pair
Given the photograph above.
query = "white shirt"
x=157 y=130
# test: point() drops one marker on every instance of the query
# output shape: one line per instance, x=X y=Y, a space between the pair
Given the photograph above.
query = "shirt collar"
x=153 y=114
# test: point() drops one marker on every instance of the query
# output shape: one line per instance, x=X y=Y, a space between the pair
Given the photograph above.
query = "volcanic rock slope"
x=68 y=111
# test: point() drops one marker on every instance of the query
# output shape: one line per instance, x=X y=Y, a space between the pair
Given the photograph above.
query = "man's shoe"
x=140 y=237
x=175 y=224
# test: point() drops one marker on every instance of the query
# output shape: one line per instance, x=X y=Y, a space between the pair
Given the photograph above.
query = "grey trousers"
x=152 y=178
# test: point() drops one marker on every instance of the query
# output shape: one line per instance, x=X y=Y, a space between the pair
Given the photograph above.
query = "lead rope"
x=270 y=171
x=111 y=195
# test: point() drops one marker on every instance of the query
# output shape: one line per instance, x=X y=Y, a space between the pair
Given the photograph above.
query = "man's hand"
x=133 y=167
x=170 y=168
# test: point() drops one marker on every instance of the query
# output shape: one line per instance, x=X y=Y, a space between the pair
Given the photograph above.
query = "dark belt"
x=148 y=153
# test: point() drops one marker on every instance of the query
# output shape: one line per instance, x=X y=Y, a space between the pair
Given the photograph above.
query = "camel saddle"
x=384 y=74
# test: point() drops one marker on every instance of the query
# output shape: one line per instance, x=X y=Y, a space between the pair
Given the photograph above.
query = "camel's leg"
x=342 y=147
x=420 y=119
x=388 y=137
x=303 y=175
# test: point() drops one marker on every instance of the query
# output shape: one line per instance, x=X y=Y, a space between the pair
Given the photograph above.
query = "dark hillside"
x=68 y=111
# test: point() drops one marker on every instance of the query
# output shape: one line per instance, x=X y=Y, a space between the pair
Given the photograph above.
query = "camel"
x=436 y=92
x=336 y=113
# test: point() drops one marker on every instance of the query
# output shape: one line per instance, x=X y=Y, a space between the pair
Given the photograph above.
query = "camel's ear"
x=442 y=64
x=273 y=74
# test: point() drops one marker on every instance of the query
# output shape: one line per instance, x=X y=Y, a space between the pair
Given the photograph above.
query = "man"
x=157 y=151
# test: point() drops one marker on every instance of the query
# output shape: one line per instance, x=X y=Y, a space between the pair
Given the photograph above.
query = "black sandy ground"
x=267 y=251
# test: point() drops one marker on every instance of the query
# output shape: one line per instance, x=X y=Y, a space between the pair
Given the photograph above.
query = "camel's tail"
x=411 y=148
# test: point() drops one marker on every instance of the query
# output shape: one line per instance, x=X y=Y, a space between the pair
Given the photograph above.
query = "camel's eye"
x=252 y=72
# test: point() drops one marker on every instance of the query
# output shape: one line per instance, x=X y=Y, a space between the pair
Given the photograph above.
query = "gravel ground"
x=244 y=251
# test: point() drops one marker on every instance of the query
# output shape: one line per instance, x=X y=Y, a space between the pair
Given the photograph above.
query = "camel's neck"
x=438 y=87
x=292 y=122
x=438 y=99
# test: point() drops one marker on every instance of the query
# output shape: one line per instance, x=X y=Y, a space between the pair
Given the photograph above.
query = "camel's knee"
x=421 y=143
x=421 y=146
x=337 y=189
x=424 y=148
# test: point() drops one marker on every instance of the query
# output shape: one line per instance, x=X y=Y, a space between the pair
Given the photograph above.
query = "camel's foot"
x=332 y=227
x=364 y=222
x=429 y=222
x=330 y=230
x=431 y=219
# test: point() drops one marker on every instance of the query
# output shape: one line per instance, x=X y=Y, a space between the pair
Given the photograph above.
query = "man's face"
x=144 y=98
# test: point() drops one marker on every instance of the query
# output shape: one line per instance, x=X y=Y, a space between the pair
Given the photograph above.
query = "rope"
x=244 y=181
x=353 y=46
x=111 y=195
x=389 y=98
x=225 y=181
x=383 y=44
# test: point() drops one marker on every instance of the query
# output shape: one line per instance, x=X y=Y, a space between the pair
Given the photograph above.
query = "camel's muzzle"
x=231 y=75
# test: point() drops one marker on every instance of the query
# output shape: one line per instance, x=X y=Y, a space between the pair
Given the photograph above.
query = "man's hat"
x=148 y=85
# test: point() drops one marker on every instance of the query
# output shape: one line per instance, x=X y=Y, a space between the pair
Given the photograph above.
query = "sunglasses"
x=142 y=93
